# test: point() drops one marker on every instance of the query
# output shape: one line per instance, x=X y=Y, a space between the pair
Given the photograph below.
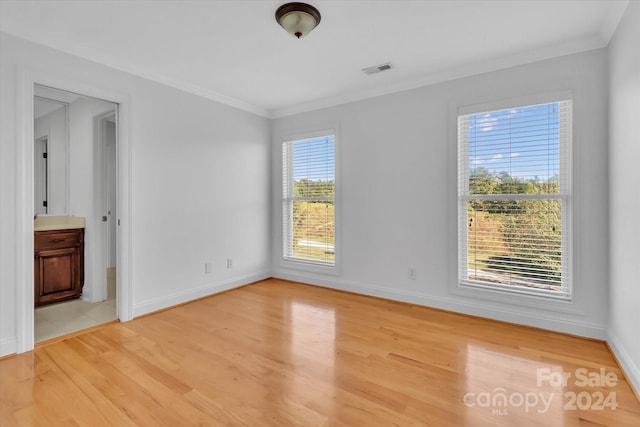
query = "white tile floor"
x=70 y=316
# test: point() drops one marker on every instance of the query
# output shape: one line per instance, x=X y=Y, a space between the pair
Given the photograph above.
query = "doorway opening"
x=25 y=225
x=79 y=181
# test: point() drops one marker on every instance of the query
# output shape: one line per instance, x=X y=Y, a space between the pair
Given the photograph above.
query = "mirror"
x=66 y=149
x=51 y=139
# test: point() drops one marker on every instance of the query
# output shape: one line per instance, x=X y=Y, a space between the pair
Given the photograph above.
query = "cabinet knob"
x=104 y=219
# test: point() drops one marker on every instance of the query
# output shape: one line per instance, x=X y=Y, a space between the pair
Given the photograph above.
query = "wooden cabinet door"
x=58 y=274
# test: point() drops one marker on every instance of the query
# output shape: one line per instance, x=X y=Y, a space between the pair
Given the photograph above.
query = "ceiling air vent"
x=377 y=68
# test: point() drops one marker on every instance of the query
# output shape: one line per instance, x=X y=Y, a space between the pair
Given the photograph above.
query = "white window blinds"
x=308 y=200
x=514 y=199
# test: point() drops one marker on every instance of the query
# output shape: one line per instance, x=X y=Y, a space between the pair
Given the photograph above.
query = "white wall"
x=200 y=185
x=85 y=198
x=200 y=189
x=624 y=152
x=398 y=203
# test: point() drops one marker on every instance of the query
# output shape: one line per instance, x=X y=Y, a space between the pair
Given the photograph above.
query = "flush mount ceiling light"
x=298 y=18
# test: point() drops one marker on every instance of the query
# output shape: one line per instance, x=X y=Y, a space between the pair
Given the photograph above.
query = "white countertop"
x=45 y=223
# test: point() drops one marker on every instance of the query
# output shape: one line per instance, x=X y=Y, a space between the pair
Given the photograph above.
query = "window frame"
x=465 y=286
x=311 y=266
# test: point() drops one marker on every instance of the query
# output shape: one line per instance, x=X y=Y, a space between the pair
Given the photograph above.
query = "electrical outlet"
x=207 y=268
x=411 y=273
x=229 y=263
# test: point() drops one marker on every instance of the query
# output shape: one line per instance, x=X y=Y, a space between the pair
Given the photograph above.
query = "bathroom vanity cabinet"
x=58 y=265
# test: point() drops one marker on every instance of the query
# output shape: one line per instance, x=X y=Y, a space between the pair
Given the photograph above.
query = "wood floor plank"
x=286 y=354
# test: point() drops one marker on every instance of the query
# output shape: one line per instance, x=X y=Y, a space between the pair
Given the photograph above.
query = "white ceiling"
x=235 y=52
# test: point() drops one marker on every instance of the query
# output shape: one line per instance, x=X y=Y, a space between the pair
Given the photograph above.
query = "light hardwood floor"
x=280 y=353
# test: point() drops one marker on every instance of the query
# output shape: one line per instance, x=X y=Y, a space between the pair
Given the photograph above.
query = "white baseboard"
x=629 y=365
x=192 y=294
x=8 y=346
x=477 y=308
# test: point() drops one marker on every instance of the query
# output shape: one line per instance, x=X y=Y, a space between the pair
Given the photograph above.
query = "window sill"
x=310 y=266
x=511 y=297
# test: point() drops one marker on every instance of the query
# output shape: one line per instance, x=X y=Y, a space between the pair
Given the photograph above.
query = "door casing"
x=27 y=78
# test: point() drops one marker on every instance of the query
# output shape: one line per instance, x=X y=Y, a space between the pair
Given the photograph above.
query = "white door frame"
x=27 y=78
x=101 y=175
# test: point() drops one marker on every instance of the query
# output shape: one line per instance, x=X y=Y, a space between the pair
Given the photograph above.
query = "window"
x=514 y=199
x=308 y=200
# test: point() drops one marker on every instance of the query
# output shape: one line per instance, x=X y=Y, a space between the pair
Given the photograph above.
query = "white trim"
x=26 y=78
x=296 y=135
x=176 y=298
x=310 y=266
x=481 y=288
x=630 y=366
x=100 y=268
x=24 y=212
x=290 y=135
x=98 y=286
x=516 y=60
x=596 y=41
x=515 y=102
x=8 y=346
x=476 y=308
x=515 y=298
x=143 y=72
x=124 y=240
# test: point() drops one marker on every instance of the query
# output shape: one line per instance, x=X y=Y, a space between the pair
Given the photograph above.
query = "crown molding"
x=146 y=73
x=522 y=58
